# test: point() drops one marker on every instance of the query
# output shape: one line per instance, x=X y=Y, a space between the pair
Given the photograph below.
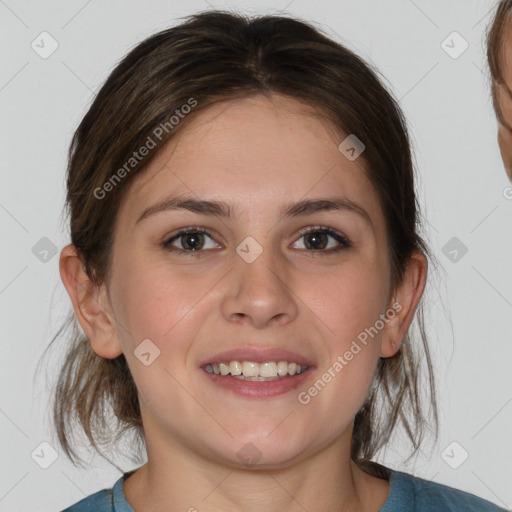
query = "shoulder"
x=100 y=501
x=106 y=500
x=434 y=497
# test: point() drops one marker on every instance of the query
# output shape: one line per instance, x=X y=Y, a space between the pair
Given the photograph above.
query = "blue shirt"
x=407 y=493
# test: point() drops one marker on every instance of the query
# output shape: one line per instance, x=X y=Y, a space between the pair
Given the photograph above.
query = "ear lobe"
x=405 y=300
x=91 y=304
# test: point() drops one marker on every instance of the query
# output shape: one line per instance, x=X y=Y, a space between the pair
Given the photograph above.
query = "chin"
x=262 y=454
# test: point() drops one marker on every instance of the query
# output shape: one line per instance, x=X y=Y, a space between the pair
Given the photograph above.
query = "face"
x=504 y=98
x=250 y=280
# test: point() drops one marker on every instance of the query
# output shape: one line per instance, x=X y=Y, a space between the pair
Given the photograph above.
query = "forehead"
x=242 y=127
x=253 y=150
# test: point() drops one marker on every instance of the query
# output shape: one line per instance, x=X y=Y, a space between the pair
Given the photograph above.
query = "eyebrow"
x=223 y=209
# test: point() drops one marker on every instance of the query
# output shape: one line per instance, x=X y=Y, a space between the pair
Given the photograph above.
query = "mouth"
x=250 y=379
x=253 y=371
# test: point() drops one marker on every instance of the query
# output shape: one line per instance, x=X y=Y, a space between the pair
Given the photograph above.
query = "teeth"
x=249 y=370
x=224 y=369
x=282 y=368
x=235 y=368
x=267 y=369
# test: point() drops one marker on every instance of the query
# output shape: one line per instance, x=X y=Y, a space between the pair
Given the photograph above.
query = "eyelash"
x=342 y=239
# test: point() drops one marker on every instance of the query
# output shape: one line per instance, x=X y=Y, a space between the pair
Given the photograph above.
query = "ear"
x=91 y=304
x=404 y=303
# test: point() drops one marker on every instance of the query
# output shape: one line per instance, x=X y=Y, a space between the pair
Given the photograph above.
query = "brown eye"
x=192 y=240
x=317 y=239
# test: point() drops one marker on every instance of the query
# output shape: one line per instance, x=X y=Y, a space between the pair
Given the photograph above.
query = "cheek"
x=165 y=308
x=346 y=302
x=349 y=304
x=156 y=303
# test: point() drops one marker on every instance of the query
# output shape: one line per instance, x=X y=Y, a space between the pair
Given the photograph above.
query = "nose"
x=260 y=292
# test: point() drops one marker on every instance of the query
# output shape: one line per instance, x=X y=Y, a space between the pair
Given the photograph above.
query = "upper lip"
x=258 y=355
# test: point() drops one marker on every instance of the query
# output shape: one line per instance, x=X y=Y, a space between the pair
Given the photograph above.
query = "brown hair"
x=213 y=57
x=495 y=43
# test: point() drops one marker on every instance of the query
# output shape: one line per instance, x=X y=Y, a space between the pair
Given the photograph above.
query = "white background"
x=463 y=193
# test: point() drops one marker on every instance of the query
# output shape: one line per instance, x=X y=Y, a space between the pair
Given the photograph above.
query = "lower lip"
x=260 y=389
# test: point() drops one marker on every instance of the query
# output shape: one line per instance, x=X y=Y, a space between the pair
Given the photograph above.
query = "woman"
x=246 y=264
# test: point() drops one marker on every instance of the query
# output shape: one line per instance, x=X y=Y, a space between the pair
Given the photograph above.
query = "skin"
x=256 y=154
x=504 y=96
